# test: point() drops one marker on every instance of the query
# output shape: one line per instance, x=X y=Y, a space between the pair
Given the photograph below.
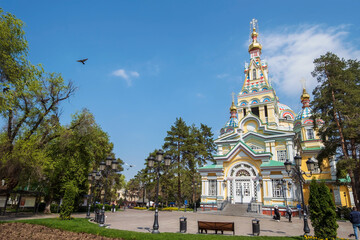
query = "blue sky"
x=153 y=61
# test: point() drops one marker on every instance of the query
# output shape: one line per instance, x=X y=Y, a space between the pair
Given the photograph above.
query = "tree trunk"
x=48 y=201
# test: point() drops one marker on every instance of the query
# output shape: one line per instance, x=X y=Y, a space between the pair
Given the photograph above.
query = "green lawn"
x=83 y=225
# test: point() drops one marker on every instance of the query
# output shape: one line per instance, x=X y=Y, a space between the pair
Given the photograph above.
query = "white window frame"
x=308 y=136
x=281 y=156
x=212 y=187
x=278 y=192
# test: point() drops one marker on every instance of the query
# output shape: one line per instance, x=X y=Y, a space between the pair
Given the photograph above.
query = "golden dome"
x=233 y=107
x=255 y=44
x=304 y=95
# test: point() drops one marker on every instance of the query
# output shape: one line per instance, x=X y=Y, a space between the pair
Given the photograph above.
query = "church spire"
x=254 y=35
x=305 y=99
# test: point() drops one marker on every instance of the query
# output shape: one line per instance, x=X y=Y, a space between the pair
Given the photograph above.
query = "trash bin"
x=183 y=224
x=256 y=227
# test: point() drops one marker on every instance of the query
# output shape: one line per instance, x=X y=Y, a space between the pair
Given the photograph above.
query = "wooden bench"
x=217 y=226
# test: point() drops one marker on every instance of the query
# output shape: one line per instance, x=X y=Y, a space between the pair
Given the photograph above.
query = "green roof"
x=313 y=148
x=211 y=166
x=272 y=163
x=345 y=180
x=239 y=141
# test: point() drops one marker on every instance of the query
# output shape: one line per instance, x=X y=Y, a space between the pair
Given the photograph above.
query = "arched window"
x=254 y=73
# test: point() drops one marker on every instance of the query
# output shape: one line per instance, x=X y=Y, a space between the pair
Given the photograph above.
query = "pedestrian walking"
x=289 y=212
x=276 y=213
x=355 y=220
x=113 y=208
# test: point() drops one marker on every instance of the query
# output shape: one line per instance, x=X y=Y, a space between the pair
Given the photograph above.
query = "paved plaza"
x=142 y=221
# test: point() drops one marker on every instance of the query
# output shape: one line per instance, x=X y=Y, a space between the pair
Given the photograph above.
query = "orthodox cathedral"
x=259 y=137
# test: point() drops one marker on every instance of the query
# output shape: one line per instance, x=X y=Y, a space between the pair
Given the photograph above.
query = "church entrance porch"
x=242 y=180
x=243 y=192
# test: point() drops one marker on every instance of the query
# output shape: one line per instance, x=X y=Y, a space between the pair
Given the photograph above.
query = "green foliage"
x=67 y=205
x=343 y=212
x=322 y=211
x=83 y=225
x=337 y=103
x=54 y=207
x=190 y=147
x=29 y=107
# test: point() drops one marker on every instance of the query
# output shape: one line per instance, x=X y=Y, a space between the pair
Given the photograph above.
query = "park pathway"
x=142 y=221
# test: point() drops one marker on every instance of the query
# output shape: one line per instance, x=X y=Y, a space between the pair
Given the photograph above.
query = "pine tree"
x=337 y=103
x=175 y=146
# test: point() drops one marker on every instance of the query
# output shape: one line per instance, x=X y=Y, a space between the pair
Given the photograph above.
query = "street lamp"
x=92 y=177
x=195 y=185
x=106 y=167
x=298 y=172
x=151 y=163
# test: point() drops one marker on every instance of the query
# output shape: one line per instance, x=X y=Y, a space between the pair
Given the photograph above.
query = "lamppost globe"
x=310 y=163
x=297 y=159
x=151 y=160
x=159 y=155
x=108 y=161
x=98 y=175
x=287 y=164
x=102 y=166
x=114 y=164
x=167 y=160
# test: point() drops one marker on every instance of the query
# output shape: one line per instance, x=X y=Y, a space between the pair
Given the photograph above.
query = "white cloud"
x=128 y=77
x=290 y=54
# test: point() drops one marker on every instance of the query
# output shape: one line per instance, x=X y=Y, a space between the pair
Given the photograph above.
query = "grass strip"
x=84 y=226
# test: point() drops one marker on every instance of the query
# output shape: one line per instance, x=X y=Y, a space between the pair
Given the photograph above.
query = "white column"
x=272 y=145
x=290 y=150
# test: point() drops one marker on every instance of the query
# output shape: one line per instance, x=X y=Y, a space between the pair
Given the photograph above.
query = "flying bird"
x=129 y=166
x=82 y=60
x=5 y=89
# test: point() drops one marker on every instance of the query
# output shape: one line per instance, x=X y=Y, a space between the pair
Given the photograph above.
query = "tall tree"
x=79 y=148
x=29 y=105
x=175 y=145
x=337 y=103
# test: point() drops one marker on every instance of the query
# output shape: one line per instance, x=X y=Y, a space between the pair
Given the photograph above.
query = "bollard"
x=96 y=215
x=183 y=224
x=256 y=227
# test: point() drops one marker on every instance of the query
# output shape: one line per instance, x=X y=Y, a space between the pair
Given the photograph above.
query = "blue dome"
x=304 y=113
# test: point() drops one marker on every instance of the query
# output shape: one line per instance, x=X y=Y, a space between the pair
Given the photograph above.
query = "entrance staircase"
x=239 y=210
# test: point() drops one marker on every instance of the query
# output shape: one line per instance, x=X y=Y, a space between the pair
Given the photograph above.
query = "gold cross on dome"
x=253 y=23
x=303 y=83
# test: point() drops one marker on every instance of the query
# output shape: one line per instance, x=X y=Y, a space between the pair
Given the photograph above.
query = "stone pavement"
x=142 y=221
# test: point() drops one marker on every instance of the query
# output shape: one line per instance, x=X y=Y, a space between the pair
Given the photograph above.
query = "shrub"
x=54 y=207
x=140 y=208
x=67 y=205
x=322 y=211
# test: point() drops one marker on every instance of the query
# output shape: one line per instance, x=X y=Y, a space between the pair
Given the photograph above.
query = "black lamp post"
x=106 y=167
x=195 y=185
x=151 y=162
x=91 y=178
x=298 y=172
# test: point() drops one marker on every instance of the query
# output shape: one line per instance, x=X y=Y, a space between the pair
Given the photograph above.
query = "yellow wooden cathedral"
x=259 y=137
